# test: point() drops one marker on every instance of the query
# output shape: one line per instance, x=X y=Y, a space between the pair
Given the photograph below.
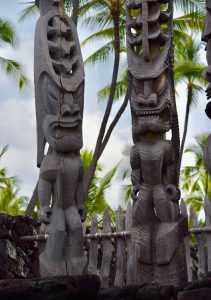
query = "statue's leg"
x=144 y=220
x=163 y=207
x=53 y=258
x=75 y=257
x=143 y=211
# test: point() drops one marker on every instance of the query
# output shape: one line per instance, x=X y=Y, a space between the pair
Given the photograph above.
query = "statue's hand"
x=45 y=213
x=135 y=192
x=173 y=193
x=82 y=212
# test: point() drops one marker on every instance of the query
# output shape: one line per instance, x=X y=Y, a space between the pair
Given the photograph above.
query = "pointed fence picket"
x=93 y=250
x=207 y=210
x=103 y=239
x=124 y=253
x=203 y=241
x=121 y=253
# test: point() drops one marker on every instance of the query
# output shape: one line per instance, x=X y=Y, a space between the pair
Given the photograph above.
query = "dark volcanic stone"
x=205 y=283
x=196 y=294
x=131 y=291
x=167 y=292
x=110 y=293
x=149 y=292
x=57 y=288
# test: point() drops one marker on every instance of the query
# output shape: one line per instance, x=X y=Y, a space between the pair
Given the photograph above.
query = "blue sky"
x=17 y=111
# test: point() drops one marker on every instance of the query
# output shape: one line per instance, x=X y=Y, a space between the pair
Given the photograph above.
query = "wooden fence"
x=110 y=250
x=103 y=242
x=202 y=241
x=105 y=239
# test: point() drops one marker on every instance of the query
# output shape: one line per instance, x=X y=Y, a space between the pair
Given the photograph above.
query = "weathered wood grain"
x=128 y=227
x=207 y=210
x=107 y=251
x=200 y=244
x=93 y=254
x=184 y=212
x=121 y=250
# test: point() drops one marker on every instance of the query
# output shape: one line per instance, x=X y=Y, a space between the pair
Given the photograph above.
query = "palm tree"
x=10 y=202
x=188 y=70
x=11 y=67
x=195 y=179
x=95 y=200
x=107 y=19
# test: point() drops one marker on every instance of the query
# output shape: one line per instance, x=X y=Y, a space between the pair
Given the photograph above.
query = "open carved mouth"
x=163 y=114
x=62 y=129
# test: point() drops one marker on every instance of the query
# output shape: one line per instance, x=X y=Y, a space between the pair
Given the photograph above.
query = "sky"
x=17 y=110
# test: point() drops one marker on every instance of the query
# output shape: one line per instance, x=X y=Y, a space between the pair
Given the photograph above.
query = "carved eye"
x=53 y=92
x=160 y=84
x=139 y=86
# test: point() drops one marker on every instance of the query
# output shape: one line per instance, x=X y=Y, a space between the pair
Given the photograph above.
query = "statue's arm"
x=80 y=199
x=44 y=195
x=170 y=174
x=136 y=177
x=169 y=167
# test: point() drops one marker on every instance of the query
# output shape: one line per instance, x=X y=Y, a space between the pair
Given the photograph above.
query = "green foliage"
x=10 y=202
x=96 y=201
x=195 y=179
x=11 y=67
x=29 y=11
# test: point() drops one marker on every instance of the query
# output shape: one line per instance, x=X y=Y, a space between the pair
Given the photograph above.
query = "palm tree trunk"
x=32 y=202
x=75 y=11
x=97 y=152
x=187 y=112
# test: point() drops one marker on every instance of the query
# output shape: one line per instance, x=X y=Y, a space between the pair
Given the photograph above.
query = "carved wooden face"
x=150 y=103
x=62 y=122
x=59 y=81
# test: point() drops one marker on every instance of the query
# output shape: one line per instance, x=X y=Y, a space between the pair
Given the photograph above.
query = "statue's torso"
x=62 y=171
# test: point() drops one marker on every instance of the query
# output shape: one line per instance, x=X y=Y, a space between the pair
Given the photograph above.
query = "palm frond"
x=7 y=32
x=30 y=11
x=101 y=55
x=15 y=69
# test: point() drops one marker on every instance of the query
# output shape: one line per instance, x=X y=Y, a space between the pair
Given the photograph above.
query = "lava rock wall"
x=18 y=259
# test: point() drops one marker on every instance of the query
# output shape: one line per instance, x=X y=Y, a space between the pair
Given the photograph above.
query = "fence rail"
x=102 y=241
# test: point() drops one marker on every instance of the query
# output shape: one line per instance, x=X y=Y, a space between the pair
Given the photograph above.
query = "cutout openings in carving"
x=138 y=50
x=136 y=32
x=164 y=7
x=134 y=13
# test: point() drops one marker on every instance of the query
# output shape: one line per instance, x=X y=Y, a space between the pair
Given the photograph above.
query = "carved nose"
x=148 y=101
x=65 y=111
x=75 y=109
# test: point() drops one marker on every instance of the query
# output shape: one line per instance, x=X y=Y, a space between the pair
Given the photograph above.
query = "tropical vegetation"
x=195 y=179
x=10 y=201
x=106 y=20
x=96 y=199
x=11 y=67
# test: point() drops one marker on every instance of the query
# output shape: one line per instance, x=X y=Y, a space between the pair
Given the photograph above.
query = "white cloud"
x=18 y=129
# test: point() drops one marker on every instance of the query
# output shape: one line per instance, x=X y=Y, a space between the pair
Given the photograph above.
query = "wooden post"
x=121 y=253
x=189 y=262
x=128 y=227
x=107 y=251
x=200 y=245
x=207 y=210
x=93 y=252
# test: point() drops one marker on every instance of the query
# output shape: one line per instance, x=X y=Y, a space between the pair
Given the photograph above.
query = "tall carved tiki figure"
x=158 y=227
x=59 y=95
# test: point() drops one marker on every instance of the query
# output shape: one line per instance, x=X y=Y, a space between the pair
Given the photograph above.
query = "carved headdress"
x=150 y=62
x=59 y=74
